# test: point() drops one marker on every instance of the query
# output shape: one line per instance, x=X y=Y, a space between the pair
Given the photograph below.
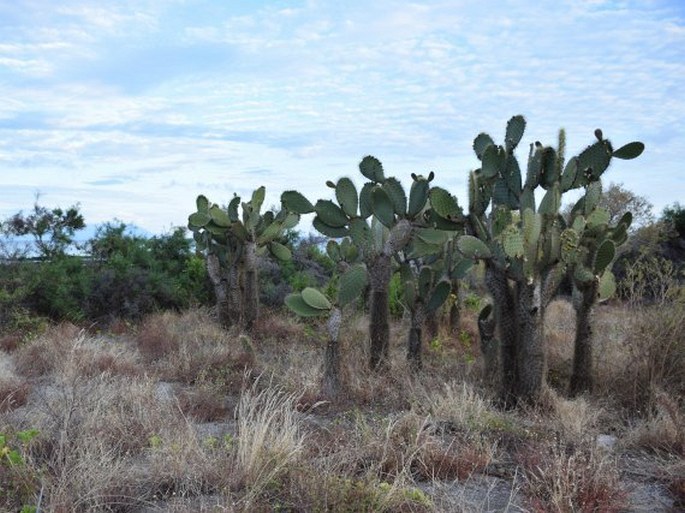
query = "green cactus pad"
x=418 y=196
x=202 y=203
x=607 y=286
x=481 y=142
x=219 y=216
x=431 y=236
x=485 y=313
x=626 y=219
x=512 y=242
x=296 y=202
x=569 y=241
x=527 y=200
x=550 y=171
x=409 y=291
x=280 y=251
x=329 y=231
x=348 y=251
x=515 y=128
x=501 y=218
x=346 y=194
x=598 y=218
x=300 y=307
x=258 y=198
x=582 y=274
x=551 y=202
x=333 y=251
x=570 y=175
x=594 y=160
x=395 y=192
x=315 y=299
x=532 y=226
x=198 y=219
x=331 y=214
x=460 y=267
x=360 y=233
x=444 y=204
x=372 y=169
x=365 y=207
x=629 y=151
x=382 y=206
x=593 y=193
x=352 y=284
x=440 y=294
x=512 y=173
x=493 y=161
x=419 y=248
x=233 y=208
x=472 y=247
x=604 y=256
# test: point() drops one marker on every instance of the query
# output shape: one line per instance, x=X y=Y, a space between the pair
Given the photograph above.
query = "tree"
x=674 y=217
x=52 y=229
x=617 y=200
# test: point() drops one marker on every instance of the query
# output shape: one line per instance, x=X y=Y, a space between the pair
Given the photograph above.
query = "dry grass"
x=580 y=482
x=113 y=438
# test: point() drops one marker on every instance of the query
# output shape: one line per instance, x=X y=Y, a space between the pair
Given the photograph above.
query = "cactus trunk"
x=582 y=377
x=251 y=292
x=379 y=312
x=330 y=386
x=226 y=291
x=505 y=317
x=489 y=345
x=531 y=351
x=415 y=342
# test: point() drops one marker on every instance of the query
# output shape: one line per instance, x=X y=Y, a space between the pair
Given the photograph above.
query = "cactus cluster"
x=232 y=240
x=527 y=247
x=375 y=223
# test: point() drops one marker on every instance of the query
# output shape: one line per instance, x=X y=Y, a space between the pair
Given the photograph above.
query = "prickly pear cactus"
x=527 y=246
x=232 y=242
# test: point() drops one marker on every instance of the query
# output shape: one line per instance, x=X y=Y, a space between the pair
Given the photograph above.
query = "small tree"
x=52 y=229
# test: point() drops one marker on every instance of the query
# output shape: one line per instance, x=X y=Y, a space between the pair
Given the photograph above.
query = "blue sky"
x=132 y=108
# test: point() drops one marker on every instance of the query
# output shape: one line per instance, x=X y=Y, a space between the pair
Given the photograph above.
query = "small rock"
x=606 y=442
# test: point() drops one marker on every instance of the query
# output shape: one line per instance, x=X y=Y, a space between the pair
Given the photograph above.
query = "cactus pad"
x=315 y=299
x=472 y=247
x=280 y=251
x=481 y=142
x=604 y=256
x=300 y=307
x=629 y=151
x=395 y=192
x=444 y=204
x=330 y=213
x=440 y=294
x=346 y=194
x=418 y=196
x=515 y=128
x=296 y=202
x=372 y=169
x=382 y=206
x=352 y=284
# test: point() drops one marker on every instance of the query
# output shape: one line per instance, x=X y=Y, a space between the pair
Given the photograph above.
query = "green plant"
x=524 y=245
x=231 y=244
x=379 y=220
x=19 y=482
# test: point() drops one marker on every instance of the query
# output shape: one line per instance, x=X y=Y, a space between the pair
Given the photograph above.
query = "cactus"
x=390 y=228
x=232 y=244
x=593 y=280
x=312 y=303
x=527 y=247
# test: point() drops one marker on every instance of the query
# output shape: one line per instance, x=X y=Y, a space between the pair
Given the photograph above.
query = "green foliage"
x=51 y=229
x=674 y=216
x=19 y=481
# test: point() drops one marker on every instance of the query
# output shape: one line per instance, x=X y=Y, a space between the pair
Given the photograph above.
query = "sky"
x=131 y=108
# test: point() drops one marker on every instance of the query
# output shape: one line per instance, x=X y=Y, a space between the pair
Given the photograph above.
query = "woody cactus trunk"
x=525 y=246
x=232 y=245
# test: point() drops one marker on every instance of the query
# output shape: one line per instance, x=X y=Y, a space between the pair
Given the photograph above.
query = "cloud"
x=178 y=98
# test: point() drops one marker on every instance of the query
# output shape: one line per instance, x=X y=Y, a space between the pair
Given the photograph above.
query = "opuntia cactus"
x=525 y=247
x=232 y=244
x=379 y=220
